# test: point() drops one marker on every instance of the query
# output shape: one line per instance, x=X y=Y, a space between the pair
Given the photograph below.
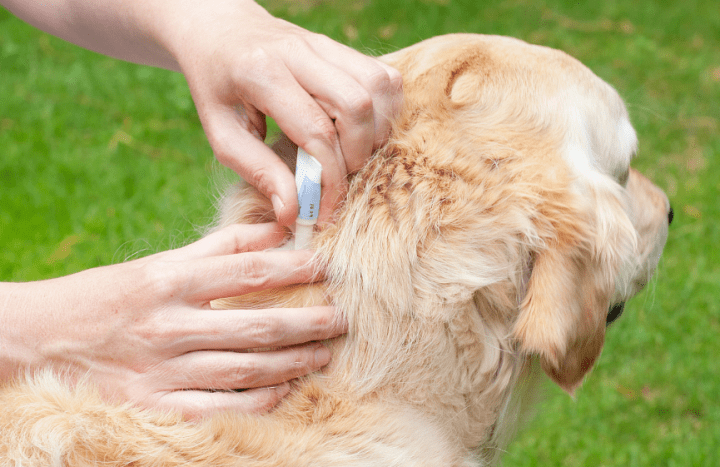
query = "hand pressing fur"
x=144 y=330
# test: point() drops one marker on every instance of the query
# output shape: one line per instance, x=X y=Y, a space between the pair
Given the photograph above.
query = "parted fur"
x=493 y=230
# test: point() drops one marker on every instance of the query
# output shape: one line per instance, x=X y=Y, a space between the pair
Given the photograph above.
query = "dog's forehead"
x=547 y=85
x=482 y=54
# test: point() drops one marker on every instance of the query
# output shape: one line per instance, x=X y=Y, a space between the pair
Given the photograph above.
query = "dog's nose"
x=671 y=215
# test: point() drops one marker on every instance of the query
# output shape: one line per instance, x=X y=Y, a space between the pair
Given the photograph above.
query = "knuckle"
x=321 y=40
x=159 y=279
x=262 y=401
x=220 y=142
x=325 y=323
x=245 y=374
x=323 y=128
x=233 y=238
x=266 y=331
x=260 y=61
x=262 y=178
x=193 y=411
x=153 y=333
x=379 y=79
x=358 y=104
x=254 y=271
x=294 y=45
x=157 y=336
x=396 y=79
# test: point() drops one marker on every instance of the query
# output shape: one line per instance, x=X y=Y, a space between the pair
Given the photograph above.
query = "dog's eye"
x=614 y=313
x=623 y=178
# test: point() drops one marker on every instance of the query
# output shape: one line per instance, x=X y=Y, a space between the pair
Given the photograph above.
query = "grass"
x=102 y=160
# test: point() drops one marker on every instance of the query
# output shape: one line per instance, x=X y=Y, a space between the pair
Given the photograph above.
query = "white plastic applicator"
x=307 y=179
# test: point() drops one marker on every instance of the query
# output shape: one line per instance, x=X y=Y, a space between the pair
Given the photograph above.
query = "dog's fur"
x=494 y=230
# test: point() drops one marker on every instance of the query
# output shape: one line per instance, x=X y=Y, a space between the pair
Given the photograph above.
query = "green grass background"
x=101 y=161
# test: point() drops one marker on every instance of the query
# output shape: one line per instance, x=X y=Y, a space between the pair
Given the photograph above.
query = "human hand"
x=242 y=64
x=143 y=331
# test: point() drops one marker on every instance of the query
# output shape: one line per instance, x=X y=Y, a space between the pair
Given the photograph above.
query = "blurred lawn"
x=102 y=160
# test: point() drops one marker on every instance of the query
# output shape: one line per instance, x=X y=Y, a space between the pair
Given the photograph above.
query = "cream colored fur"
x=494 y=230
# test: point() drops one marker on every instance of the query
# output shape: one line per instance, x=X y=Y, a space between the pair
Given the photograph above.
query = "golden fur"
x=493 y=230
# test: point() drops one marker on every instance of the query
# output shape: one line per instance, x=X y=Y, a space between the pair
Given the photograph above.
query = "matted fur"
x=493 y=230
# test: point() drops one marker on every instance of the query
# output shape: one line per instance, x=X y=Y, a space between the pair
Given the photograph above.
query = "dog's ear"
x=562 y=317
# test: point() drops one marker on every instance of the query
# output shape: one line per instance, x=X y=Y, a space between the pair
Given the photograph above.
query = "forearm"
x=16 y=353
x=149 y=32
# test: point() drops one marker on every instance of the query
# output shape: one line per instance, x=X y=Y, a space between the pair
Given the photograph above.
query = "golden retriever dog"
x=485 y=243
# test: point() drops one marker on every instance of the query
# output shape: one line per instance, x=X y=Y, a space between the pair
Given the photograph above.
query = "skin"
x=143 y=330
x=241 y=64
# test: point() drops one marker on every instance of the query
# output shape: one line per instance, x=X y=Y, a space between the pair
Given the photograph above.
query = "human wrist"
x=17 y=353
x=181 y=24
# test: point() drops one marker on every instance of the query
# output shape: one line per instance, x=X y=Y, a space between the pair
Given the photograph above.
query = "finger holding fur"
x=212 y=370
x=234 y=239
x=382 y=86
x=257 y=164
x=195 y=405
x=250 y=329
x=348 y=104
x=229 y=276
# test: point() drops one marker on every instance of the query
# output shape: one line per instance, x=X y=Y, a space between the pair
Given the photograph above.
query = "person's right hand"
x=242 y=64
x=143 y=331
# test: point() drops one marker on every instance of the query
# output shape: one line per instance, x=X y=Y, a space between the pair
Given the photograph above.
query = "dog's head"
x=599 y=226
x=507 y=185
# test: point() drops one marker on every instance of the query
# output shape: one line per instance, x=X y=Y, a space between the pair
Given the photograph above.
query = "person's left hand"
x=144 y=331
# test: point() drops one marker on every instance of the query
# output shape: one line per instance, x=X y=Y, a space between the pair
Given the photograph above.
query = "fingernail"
x=322 y=356
x=278 y=205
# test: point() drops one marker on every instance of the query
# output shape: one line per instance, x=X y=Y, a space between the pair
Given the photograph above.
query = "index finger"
x=252 y=159
x=233 y=239
x=307 y=124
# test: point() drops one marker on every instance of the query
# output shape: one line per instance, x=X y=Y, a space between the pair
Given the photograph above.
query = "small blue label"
x=309 y=199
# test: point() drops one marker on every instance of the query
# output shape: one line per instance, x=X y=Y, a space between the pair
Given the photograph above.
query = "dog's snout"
x=671 y=215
